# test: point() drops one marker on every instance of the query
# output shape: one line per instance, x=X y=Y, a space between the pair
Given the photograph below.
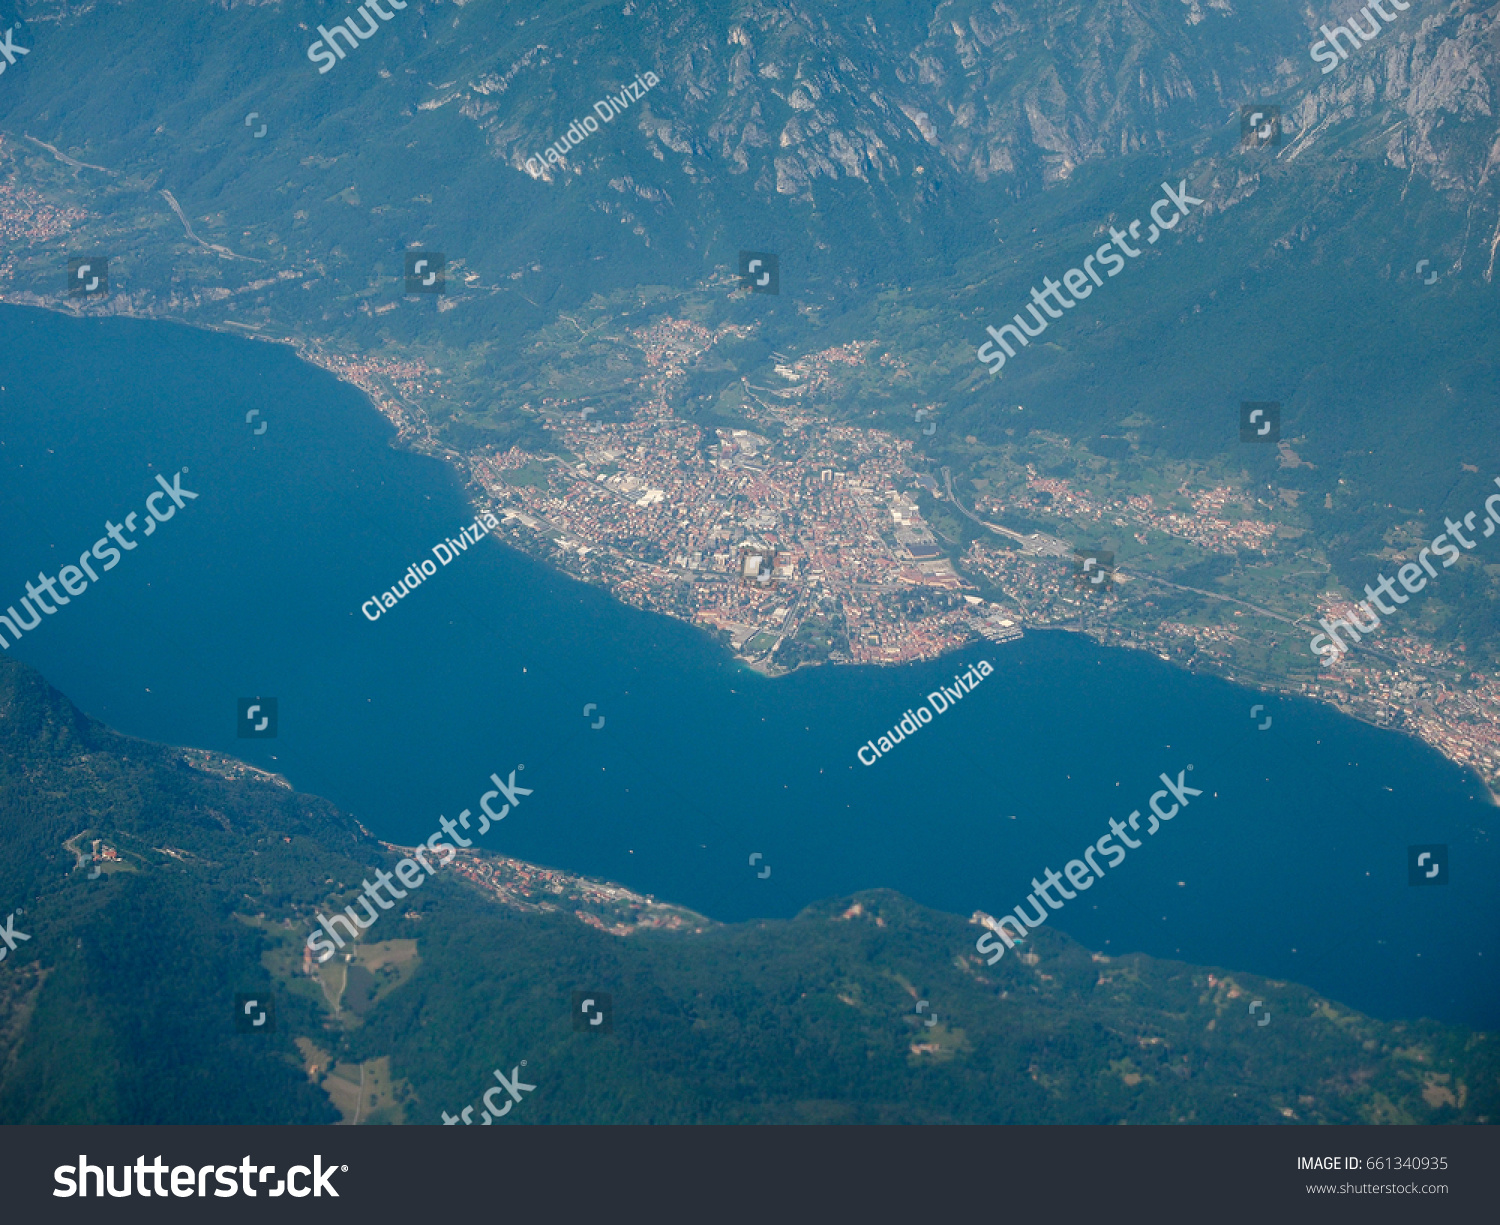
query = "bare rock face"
x=1421 y=96
x=1023 y=92
x=1428 y=85
x=995 y=92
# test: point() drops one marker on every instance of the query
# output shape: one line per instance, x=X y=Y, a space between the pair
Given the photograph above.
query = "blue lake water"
x=1293 y=863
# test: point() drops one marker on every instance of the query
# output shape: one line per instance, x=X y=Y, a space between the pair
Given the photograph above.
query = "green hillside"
x=119 y=1008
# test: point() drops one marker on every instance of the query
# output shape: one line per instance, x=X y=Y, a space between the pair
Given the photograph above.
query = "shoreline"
x=414 y=435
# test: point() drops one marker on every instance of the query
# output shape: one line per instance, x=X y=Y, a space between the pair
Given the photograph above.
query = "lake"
x=1292 y=863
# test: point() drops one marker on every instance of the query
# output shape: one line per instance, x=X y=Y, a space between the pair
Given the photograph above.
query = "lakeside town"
x=610 y=908
x=798 y=540
x=802 y=541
